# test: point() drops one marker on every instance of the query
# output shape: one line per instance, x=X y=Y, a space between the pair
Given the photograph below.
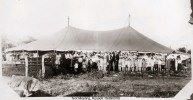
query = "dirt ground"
x=113 y=84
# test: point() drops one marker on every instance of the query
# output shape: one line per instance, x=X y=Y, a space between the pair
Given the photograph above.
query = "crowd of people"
x=76 y=62
x=80 y=62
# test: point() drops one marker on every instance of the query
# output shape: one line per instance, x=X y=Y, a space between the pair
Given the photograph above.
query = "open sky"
x=165 y=21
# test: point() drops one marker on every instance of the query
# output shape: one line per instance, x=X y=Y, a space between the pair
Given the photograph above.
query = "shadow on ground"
x=84 y=94
x=40 y=93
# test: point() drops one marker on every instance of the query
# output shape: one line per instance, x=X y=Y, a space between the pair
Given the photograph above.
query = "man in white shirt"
x=144 y=63
x=95 y=60
x=80 y=60
x=152 y=63
x=159 y=65
x=178 y=64
x=140 y=64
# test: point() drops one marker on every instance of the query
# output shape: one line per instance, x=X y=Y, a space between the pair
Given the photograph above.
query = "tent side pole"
x=26 y=66
x=37 y=59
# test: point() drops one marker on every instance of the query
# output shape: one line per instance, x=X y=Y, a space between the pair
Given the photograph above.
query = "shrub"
x=13 y=70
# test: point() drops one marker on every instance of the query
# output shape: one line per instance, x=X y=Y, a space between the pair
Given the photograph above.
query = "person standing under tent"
x=140 y=64
x=179 y=63
x=148 y=63
x=117 y=61
x=155 y=65
x=90 y=63
x=144 y=63
x=120 y=62
x=152 y=62
x=129 y=64
x=84 y=66
x=110 y=61
x=94 y=62
x=99 y=62
x=170 y=62
x=71 y=62
x=86 y=61
x=76 y=67
x=123 y=64
x=65 y=59
x=80 y=60
x=126 y=63
x=104 y=62
x=113 y=61
x=163 y=64
x=176 y=63
x=136 y=66
x=75 y=62
x=57 y=61
x=132 y=63
x=159 y=65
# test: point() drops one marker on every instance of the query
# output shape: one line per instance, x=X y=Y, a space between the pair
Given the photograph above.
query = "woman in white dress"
x=129 y=64
x=120 y=63
x=123 y=63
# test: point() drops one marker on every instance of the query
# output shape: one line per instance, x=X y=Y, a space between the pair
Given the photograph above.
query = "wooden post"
x=26 y=66
x=13 y=59
x=43 y=66
x=37 y=59
x=22 y=54
x=166 y=65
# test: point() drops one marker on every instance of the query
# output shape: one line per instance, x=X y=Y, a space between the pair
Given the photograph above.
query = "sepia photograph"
x=96 y=48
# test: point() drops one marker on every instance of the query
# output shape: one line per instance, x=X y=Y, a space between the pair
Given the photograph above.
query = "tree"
x=5 y=43
x=182 y=49
x=189 y=51
x=28 y=40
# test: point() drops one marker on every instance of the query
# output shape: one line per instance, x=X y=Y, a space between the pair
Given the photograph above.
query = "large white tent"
x=71 y=38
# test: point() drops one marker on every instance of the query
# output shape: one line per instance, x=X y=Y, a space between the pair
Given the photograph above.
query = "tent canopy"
x=71 y=38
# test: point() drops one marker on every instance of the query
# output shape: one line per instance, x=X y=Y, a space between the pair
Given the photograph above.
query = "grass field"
x=9 y=70
x=113 y=84
x=118 y=85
